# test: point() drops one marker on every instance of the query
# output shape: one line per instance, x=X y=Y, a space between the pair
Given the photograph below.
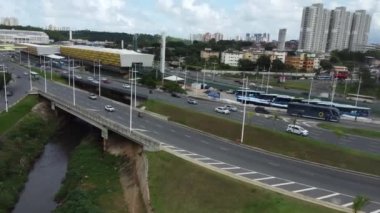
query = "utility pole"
x=357 y=97
x=5 y=89
x=68 y=68
x=51 y=69
x=99 y=80
x=135 y=80
x=45 y=73
x=333 y=91
x=131 y=101
x=30 y=72
x=311 y=86
x=268 y=80
x=73 y=82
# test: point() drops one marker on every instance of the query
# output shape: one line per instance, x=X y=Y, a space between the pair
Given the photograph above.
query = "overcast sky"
x=179 y=18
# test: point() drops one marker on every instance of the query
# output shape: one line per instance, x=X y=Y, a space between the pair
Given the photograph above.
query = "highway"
x=206 y=106
x=315 y=181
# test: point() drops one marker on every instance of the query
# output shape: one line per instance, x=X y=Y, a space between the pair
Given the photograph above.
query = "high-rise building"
x=323 y=30
x=281 y=39
x=340 y=27
x=359 y=31
x=218 y=36
x=314 y=29
x=9 y=21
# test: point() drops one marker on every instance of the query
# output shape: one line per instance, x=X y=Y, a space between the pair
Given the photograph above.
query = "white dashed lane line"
x=215 y=163
x=190 y=154
x=376 y=211
x=188 y=136
x=230 y=168
x=245 y=173
x=282 y=184
x=304 y=190
x=200 y=159
x=348 y=204
x=264 y=178
x=327 y=196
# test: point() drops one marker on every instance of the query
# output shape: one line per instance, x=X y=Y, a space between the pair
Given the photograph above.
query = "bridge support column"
x=52 y=105
x=105 y=138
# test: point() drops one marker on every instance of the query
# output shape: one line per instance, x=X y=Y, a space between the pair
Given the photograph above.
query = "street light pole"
x=45 y=74
x=244 y=110
x=185 y=77
x=73 y=82
x=266 y=92
x=333 y=92
x=357 y=97
x=131 y=101
x=204 y=73
x=135 y=79
x=311 y=86
x=68 y=68
x=51 y=69
x=5 y=90
x=99 y=80
x=94 y=68
x=30 y=73
x=262 y=81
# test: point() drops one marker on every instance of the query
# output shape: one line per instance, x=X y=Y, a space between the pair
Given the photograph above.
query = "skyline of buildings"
x=281 y=39
x=324 y=30
x=9 y=21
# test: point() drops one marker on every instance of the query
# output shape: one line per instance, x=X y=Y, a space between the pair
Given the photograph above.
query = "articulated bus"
x=281 y=101
x=346 y=109
x=327 y=113
x=251 y=97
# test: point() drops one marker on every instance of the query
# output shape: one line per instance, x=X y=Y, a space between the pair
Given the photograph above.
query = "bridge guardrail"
x=150 y=143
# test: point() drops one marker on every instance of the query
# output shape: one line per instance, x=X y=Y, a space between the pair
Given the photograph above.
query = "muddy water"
x=49 y=170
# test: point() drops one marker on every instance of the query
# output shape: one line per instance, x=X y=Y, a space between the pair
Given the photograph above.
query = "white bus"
x=361 y=98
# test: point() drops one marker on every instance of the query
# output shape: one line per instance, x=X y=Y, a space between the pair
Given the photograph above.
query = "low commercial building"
x=303 y=61
x=40 y=50
x=231 y=57
x=120 y=58
x=23 y=36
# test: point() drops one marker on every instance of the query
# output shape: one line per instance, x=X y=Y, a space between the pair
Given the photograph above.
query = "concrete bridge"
x=104 y=123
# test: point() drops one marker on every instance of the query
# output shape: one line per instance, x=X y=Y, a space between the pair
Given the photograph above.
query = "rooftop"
x=103 y=49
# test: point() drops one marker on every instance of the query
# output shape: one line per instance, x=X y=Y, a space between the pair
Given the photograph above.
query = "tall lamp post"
x=5 y=89
x=45 y=74
x=99 y=78
x=131 y=101
x=311 y=86
x=357 y=97
x=266 y=92
x=244 y=109
x=135 y=80
x=30 y=73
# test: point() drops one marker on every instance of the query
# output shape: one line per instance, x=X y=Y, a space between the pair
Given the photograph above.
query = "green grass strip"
x=351 y=131
x=271 y=140
x=92 y=181
x=179 y=186
x=15 y=113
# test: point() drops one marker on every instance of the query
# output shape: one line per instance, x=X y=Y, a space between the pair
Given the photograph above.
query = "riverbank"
x=20 y=146
x=92 y=182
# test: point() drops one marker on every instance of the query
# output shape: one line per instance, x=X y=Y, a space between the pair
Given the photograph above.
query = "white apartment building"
x=340 y=29
x=23 y=36
x=281 y=40
x=359 y=31
x=231 y=58
x=9 y=21
x=277 y=55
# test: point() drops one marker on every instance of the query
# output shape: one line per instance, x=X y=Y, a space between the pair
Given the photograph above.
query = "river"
x=49 y=170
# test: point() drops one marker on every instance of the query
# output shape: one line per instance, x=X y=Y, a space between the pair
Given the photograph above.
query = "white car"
x=222 y=110
x=78 y=77
x=90 y=78
x=126 y=86
x=231 y=108
x=298 y=130
x=109 y=108
x=95 y=81
x=92 y=96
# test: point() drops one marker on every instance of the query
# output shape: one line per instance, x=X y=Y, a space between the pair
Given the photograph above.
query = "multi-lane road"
x=312 y=180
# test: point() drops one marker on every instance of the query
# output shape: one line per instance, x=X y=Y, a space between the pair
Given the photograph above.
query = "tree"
x=246 y=65
x=171 y=86
x=367 y=81
x=277 y=65
x=359 y=202
x=326 y=65
x=7 y=79
x=264 y=61
x=334 y=60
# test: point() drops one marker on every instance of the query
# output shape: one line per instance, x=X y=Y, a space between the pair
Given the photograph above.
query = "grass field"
x=15 y=113
x=278 y=142
x=179 y=186
x=92 y=181
x=351 y=131
x=54 y=75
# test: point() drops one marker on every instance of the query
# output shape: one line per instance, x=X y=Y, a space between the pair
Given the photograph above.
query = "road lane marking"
x=141 y=130
x=215 y=163
x=201 y=159
x=348 y=204
x=304 y=190
x=188 y=136
x=282 y=184
x=155 y=132
x=172 y=130
x=168 y=146
x=190 y=154
x=203 y=141
x=158 y=125
x=179 y=150
x=245 y=173
x=376 y=211
x=327 y=196
x=230 y=168
x=264 y=178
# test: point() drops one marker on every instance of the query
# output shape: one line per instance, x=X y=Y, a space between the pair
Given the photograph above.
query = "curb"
x=257 y=183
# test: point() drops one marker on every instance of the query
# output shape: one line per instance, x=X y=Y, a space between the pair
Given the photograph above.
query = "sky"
x=179 y=18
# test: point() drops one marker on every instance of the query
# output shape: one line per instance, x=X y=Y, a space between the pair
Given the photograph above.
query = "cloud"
x=179 y=17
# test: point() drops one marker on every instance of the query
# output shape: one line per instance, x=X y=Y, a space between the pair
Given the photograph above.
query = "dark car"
x=175 y=95
x=261 y=110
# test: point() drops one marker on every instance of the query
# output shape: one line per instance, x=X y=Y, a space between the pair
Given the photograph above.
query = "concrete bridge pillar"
x=52 y=105
x=105 y=138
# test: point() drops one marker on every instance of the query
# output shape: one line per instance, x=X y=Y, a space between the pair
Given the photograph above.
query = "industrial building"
x=40 y=50
x=23 y=36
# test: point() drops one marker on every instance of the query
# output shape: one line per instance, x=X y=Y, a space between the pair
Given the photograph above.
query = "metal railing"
x=148 y=142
